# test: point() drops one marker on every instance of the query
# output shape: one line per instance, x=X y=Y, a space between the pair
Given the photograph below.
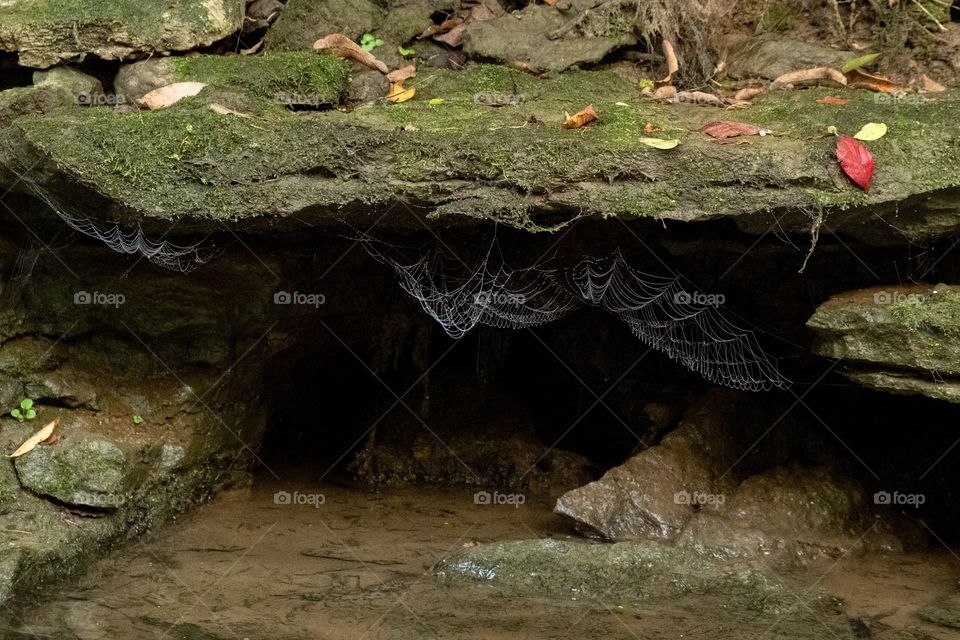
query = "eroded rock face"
x=716 y=486
x=901 y=339
x=45 y=32
x=772 y=57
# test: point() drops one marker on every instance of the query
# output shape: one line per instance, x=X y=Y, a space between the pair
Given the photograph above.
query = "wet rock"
x=133 y=81
x=407 y=19
x=537 y=38
x=367 y=86
x=73 y=81
x=261 y=13
x=303 y=22
x=896 y=338
x=45 y=32
x=20 y=101
x=772 y=57
x=644 y=572
x=944 y=612
x=81 y=470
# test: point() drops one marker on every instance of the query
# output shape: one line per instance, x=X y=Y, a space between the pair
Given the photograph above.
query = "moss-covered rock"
x=45 y=32
x=288 y=77
x=82 y=471
x=457 y=157
x=303 y=22
x=907 y=327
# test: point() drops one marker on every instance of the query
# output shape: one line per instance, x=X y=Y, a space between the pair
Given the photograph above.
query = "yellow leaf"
x=871 y=131
x=46 y=433
x=398 y=93
x=658 y=143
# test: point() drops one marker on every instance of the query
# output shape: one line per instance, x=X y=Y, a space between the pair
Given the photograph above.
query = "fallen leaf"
x=550 y=2
x=343 y=47
x=833 y=100
x=930 y=86
x=672 y=65
x=725 y=129
x=170 y=94
x=435 y=101
x=398 y=93
x=41 y=436
x=479 y=13
x=871 y=131
x=658 y=143
x=401 y=74
x=810 y=76
x=651 y=128
x=580 y=118
x=748 y=93
x=863 y=80
x=855 y=160
x=858 y=62
x=443 y=27
x=224 y=111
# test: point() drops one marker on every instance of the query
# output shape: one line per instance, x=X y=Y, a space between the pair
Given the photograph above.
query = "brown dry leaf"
x=930 y=85
x=401 y=74
x=672 y=65
x=480 y=13
x=447 y=25
x=580 y=118
x=863 y=80
x=343 y=47
x=727 y=129
x=398 y=93
x=225 y=111
x=252 y=50
x=810 y=76
x=550 y=2
x=170 y=94
x=833 y=100
x=43 y=436
x=748 y=93
x=651 y=128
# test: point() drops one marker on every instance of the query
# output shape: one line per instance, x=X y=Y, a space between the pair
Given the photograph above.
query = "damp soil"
x=253 y=564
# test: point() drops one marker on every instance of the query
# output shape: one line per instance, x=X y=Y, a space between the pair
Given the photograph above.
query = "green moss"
x=316 y=78
x=936 y=312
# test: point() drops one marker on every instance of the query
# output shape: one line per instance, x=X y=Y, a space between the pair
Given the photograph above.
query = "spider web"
x=183 y=258
x=686 y=327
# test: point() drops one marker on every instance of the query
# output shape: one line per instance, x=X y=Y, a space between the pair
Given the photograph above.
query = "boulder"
x=771 y=57
x=303 y=22
x=46 y=32
x=73 y=81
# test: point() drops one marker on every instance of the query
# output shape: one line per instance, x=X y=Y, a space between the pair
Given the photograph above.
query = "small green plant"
x=138 y=420
x=25 y=411
x=369 y=42
x=406 y=53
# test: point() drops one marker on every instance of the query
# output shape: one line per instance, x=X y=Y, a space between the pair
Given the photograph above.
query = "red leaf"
x=730 y=129
x=855 y=160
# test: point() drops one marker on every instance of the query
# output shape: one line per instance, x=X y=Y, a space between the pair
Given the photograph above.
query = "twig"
x=929 y=15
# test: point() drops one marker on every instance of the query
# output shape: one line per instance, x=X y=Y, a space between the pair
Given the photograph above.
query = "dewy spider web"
x=688 y=328
x=163 y=253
